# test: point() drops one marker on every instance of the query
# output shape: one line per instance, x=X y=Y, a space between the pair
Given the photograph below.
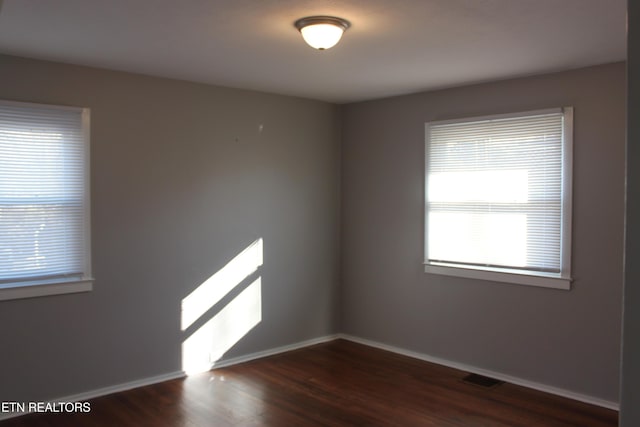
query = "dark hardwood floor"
x=339 y=383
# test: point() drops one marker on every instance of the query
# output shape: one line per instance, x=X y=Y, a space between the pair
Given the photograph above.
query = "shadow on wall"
x=222 y=310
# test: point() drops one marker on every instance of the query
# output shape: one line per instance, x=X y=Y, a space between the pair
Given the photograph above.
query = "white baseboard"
x=92 y=394
x=497 y=375
x=272 y=352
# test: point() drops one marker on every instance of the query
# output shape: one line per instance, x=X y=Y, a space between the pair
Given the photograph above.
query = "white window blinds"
x=43 y=193
x=497 y=197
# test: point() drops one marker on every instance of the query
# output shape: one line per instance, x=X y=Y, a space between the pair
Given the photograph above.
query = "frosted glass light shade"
x=321 y=32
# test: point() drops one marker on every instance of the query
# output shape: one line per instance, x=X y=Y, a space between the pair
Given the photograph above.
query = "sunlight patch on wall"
x=221 y=283
x=212 y=340
x=224 y=327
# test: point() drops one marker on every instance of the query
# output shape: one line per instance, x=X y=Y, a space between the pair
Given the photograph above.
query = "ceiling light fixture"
x=321 y=32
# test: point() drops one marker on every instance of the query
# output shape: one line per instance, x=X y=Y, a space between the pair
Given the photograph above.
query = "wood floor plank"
x=339 y=383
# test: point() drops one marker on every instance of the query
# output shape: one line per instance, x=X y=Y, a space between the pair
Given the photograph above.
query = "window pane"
x=494 y=192
x=42 y=192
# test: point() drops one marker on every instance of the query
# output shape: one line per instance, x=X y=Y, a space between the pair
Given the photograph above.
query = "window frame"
x=505 y=275
x=57 y=286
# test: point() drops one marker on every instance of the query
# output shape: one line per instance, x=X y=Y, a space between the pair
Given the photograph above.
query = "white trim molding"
x=92 y=394
x=485 y=372
x=534 y=149
x=33 y=289
x=272 y=352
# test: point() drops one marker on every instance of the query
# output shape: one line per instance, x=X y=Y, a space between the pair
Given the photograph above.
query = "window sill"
x=12 y=291
x=500 y=276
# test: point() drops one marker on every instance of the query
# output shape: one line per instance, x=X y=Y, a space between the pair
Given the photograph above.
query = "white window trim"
x=45 y=287
x=528 y=278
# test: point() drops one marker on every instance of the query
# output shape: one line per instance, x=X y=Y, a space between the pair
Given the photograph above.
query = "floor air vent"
x=482 y=381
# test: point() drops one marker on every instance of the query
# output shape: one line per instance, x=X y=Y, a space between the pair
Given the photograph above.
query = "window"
x=498 y=198
x=44 y=200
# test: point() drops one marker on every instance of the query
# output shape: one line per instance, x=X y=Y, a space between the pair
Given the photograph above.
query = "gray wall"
x=630 y=394
x=184 y=177
x=565 y=339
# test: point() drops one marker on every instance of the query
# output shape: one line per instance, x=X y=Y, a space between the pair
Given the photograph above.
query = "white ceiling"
x=393 y=46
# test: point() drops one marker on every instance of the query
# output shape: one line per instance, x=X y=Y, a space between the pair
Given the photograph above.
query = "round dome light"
x=321 y=32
